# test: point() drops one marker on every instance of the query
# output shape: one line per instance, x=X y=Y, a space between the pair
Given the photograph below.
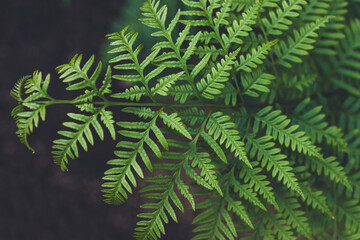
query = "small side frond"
x=312 y=122
x=277 y=126
x=256 y=82
x=215 y=81
x=300 y=45
x=81 y=134
x=316 y=199
x=331 y=168
x=280 y=21
x=271 y=157
x=120 y=175
x=290 y=210
x=76 y=76
x=259 y=183
x=223 y=130
x=256 y=57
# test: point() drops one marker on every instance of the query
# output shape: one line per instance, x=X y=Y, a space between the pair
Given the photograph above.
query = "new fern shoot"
x=249 y=110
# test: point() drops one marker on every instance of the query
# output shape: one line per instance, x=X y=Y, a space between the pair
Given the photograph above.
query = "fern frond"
x=154 y=16
x=270 y=3
x=256 y=57
x=106 y=84
x=193 y=115
x=35 y=87
x=277 y=127
x=26 y=121
x=107 y=119
x=349 y=114
x=202 y=161
x=246 y=192
x=215 y=81
x=181 y=92
x=81 y=134
x=240 y=29
x=220 y=118
x=120 y=176
x=312 y=122
x=331 y=168
x=153 y=226
x=173 y=121
x=214 y=145
x=256 y=82
x=299 y=83
x=258 y=183
x=279 y=226
x=345 y=64
x=16 y=92
x=271 y=157
x=127 y=59
x=222 y=129
x=349 y=214
x=237 y=208
x=230 y=94
x=132 y=93
x=300 y=45
x=163 y=85
x=333 y=31
x=280 y=21
x=216 y=221
x=76 y=76
x=27 y=91
x=223 y=14
x=314 y=10
x=289 y=208
x=316 y=199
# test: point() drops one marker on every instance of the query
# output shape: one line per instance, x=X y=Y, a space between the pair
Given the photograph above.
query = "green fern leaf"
x=277 y=127
x=246 y=192
x=270 y=157
x=68 y=147
x=349 y=214
x=214 y=145
x=221 y=128
x=163 y=85
x=107 y=118
x=258 y=183
x=240 y=28
x=256 y=81
x=253 y=59
x=289 y=208
x=301 y=45
x=203 y=162
x=279 y=226
x=315 y=199
x=280 y=20
x=72 y=72
x=26 y=121
x=312 y=123
x=133 y=93
x=331 y=168
x=214 y=82
x=174 y=122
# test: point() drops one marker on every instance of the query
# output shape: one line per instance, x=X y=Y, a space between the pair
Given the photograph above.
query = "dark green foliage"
x=246 y=110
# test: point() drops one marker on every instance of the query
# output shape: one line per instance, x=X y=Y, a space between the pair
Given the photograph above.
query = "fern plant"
x=250 y=115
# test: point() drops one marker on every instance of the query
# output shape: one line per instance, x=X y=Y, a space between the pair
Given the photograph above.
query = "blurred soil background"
x=37 y=200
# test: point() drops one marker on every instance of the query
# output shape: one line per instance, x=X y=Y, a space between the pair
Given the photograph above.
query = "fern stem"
x=212 y=25
x=233 y=74
x=273 y=63
x=137 y=104
x=177 y=52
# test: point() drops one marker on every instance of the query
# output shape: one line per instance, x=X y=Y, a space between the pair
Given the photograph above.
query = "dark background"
x=37 y=200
